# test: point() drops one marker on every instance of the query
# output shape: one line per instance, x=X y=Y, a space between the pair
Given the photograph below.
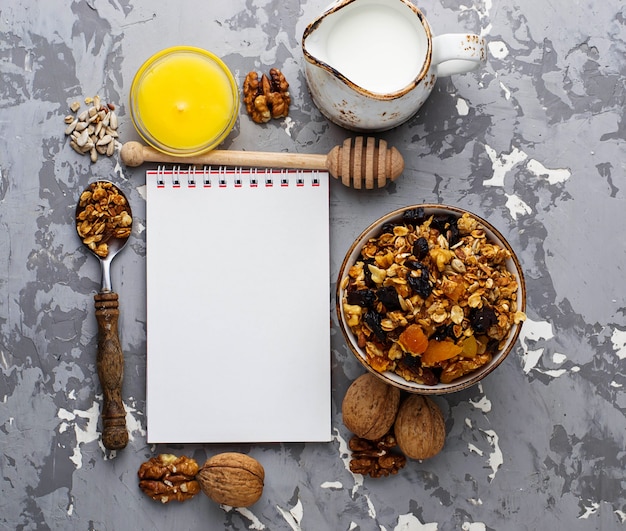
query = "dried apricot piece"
x=470 y=347
x=440 y=351
x=413 y=339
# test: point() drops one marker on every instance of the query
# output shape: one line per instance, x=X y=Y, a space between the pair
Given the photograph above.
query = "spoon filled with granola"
x=103 y=222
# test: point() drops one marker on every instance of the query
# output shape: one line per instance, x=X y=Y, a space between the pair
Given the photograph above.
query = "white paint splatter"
x=84 y=432
x=288 y=125
x=559 y=358
x=475 y=501
x=502 y=164
x=621 y=515
x=473 y=526
x=618 y=338
x=293 y=516
x=534 y=331
x=410 y=522
x=332 y=485
x=462 y=107
x=615 y=384
x=473 y=448
x=141 y=190
x=371 y=510
x=483 y=14
x=344 y=454
x=507 y=92
x=555 y=176
x=589 y=510
x=516 y=206
x=469 y=423
x=88 y=432
x=498 y=49
x=531 y=358
x=495 y=458
x=484 y=404
x=255 y=523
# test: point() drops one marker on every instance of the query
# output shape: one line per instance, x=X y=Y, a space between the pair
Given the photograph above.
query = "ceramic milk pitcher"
x=371 y=64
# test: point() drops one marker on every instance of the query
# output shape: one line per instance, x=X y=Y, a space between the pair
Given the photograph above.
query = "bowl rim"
x=147 y=136
x=513 y=264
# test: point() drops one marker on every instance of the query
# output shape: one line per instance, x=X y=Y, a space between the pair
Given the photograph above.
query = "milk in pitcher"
x=377 y=46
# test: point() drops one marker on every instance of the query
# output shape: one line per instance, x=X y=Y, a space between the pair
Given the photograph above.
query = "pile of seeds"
x=92 y=131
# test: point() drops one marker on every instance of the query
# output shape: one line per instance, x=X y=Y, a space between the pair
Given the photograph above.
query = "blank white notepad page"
x=238 y=307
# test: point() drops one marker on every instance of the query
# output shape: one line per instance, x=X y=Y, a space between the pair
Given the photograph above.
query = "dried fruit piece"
x=438 y=351
x=232 y=479
x=413 y=339
x=419 y=428
x=369 y=407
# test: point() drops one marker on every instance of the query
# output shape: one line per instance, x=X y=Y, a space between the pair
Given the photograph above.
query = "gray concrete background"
x=535 y=142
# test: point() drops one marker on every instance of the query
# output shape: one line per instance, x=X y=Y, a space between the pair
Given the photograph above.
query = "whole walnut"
x=232 y=479
x=420 y=429
x=369 y=407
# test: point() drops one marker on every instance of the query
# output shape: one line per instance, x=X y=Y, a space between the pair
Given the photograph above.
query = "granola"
x=430 y=298
x=102 y=214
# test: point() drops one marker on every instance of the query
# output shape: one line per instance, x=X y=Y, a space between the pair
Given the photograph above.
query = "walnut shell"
x=419 y=429
x=232 y=479
x=370 y=406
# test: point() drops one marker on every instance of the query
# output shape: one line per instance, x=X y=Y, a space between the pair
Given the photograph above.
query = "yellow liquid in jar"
x=185 y=101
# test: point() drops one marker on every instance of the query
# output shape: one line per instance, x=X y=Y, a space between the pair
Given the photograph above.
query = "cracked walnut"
x=268 y=97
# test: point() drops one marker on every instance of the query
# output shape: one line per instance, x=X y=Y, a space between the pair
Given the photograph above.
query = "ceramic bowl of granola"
x=431 y=298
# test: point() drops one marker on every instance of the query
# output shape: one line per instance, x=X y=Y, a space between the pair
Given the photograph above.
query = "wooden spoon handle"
x=134 y=154
x=110 y=363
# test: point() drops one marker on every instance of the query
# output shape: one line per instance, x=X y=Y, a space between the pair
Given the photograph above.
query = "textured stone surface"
x=535 y=142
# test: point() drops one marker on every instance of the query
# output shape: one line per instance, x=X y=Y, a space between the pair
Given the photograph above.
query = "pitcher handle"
x=457 y=53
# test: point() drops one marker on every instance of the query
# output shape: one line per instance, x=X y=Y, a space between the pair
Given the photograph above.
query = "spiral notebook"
x=238 y=306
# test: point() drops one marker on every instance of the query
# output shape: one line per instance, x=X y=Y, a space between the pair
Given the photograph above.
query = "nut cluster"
x=102 y=214
x=430 y=298
x=94 y=130
x=374 y=412
x=166 y=478
x=229 y=478
x=266 y=98
x=374 y=458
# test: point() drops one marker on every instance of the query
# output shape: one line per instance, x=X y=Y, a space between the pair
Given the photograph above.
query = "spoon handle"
x=110 y=363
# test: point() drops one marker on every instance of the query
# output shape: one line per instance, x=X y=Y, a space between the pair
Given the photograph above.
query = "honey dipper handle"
x=134 y=154
x=110 y=363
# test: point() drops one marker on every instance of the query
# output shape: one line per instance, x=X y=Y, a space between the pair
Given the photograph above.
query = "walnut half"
x=374 y=458
x=166 y=477
x=266 y=98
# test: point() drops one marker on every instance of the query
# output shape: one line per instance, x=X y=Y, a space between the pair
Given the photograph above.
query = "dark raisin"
x=389 y=297
x=482 y=319
x=442 y=222
x=422 y=284
x=415 y=216
x=368 y=274
x=363 y=297
x=373 y=319
x=420 y=248
x=443 y=332
x=387 y=228
x=446 y=224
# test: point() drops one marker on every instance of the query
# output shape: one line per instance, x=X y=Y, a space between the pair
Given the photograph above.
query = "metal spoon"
x=104 y=222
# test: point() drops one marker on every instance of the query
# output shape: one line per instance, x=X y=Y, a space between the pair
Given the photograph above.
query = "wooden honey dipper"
x=360 y=164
